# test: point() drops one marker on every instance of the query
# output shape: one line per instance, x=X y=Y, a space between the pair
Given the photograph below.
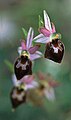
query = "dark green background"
x=15 y=14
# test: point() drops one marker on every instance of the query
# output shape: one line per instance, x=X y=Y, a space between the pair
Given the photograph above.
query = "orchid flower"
x=47 y=32
x=32 y=51
x=27 y=82
x=54 y=49
x=47 y=84
x=18 y=93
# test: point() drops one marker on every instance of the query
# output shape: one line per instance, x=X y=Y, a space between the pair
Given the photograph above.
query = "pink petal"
x=53 y=28
x=23 y=45
x=49 y=94
x=39 y=36
x=27 y=79
x=32 y=50
x=32 y=85
x=47 y=21
x=53 y=83
x=45 y=32
x=41 y=76
x=41 y=39
x=35 y=55
x=29 y=38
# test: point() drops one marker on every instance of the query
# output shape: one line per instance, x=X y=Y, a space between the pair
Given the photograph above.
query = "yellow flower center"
x=25 y=53
x=22 y=86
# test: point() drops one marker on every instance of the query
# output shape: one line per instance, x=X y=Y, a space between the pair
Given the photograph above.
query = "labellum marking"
x=22 y=65
x=55 y=49
x=18 y=96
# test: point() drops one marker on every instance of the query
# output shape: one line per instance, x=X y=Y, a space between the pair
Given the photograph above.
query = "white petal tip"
x=44 y=11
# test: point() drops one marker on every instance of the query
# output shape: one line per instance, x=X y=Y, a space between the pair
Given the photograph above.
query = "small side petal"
x=19 y=50
x=29 y=38
x=45 y=32
x=23 y=45
x=35 y=55
x=14 y=80
x=27 y=79
x=53 y=83
x=53 y=28
x=41 y=76
x=32 y=50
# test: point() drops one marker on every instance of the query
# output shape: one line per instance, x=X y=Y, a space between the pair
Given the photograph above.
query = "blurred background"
x=15 y=14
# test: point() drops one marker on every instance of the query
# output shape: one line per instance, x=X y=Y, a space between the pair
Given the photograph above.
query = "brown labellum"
x=18 y=96
x=54 y=50
x=22 y=67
